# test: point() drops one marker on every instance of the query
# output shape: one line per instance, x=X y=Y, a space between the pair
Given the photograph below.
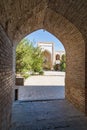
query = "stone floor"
x=46 y=87
x=52 y=78
x=47 y=115
x=41 y=92
x=40 y=107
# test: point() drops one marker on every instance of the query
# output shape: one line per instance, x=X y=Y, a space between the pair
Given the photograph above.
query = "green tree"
x=37 y=59
x=63 y=63
x=28 y=57
x=23 y=56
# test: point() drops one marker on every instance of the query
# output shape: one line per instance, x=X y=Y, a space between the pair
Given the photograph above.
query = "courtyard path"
x=51 y=78
x=45 y=114
x=50 y=86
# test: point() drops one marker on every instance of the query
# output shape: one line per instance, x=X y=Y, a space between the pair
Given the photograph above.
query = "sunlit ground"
x=49 y=86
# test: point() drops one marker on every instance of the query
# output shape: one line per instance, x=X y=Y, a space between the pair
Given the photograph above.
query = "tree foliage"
x=28 y=57
x=37 y=62
x=63 y=63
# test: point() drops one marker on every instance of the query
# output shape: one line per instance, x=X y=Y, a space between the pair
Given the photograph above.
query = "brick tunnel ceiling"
x=14 y=14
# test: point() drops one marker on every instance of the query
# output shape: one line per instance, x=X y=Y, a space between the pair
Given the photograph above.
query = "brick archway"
x=67 y=21
x=74 y=44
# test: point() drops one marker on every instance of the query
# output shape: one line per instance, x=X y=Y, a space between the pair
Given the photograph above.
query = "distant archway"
x=57 y=57
x=47 y=60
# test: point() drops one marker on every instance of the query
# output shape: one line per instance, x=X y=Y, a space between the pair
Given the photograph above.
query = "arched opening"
x=18 y=20
x=74 y=44
x=53 y=77
x=57 y=57
x=57 y=62
x=47 y=60
x=72 y=53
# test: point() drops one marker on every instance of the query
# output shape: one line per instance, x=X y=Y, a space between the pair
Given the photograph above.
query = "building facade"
x=51 y=57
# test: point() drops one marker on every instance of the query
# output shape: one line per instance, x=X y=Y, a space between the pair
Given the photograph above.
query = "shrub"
x=25 y=75
x=63 y=63
x=41 y=72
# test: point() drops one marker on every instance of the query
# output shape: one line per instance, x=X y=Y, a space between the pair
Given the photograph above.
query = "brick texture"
x=6 y=81
x=74 y=45
x=67 y=20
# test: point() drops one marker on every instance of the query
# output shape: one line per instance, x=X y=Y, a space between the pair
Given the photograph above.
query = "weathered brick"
x=5 y=82
x=67 y=20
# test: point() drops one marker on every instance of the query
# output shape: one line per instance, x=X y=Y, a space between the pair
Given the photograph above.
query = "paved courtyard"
x=50 y=78
x=41 y=92
x=47 y=115
x=41 y=106
x=47 y=87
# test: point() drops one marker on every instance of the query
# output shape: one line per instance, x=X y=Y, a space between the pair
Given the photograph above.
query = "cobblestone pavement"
x=47 y=115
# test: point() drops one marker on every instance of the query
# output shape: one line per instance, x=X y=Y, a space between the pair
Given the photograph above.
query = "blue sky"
x=44 y=36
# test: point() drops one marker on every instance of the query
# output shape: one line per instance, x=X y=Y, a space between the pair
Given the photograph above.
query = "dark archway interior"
x=67 y=21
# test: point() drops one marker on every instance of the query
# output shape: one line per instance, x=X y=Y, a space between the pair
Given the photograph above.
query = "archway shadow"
x=40 y=92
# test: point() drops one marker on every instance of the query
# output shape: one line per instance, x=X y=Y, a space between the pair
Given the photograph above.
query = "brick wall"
x=66 y=19
x=72 y=39
x=74 y=45
x=6 y=80
x=86 y=76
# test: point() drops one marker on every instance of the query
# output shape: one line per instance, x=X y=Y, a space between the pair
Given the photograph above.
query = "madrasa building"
x=51 y=57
